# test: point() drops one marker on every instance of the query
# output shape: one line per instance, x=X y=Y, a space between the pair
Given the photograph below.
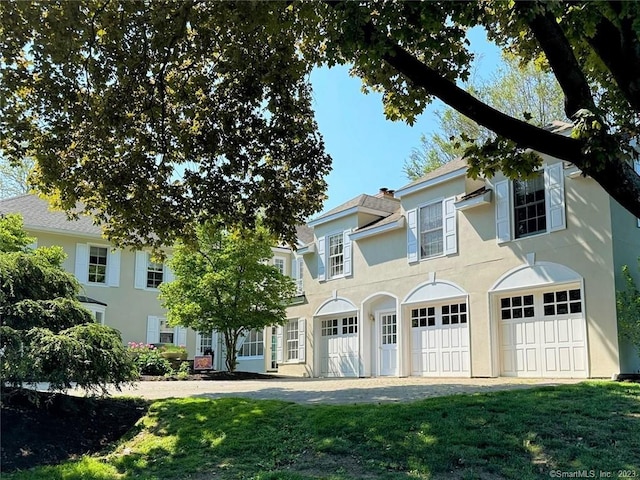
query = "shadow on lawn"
x=504 y=434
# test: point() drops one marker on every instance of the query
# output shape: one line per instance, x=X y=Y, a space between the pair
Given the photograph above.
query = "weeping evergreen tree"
x=46 y=334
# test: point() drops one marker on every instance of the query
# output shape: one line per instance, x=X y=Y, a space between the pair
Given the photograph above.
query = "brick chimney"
x=385 y=193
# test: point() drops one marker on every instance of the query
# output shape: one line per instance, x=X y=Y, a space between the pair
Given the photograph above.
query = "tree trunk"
x=231 y=343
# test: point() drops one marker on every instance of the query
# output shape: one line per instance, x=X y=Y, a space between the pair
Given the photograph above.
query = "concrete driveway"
x=334 y=391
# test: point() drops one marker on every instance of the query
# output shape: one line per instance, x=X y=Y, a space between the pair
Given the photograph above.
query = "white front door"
x=388 y=331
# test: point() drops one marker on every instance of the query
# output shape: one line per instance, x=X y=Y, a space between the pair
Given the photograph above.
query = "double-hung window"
x=97 y=265
x=278 y=262
x=529 y=210
x=336 y=255
x=432 y=230
x=149 y=274
x=531 y=206
x=290 y=341
x=155 y=274
x=431 y=241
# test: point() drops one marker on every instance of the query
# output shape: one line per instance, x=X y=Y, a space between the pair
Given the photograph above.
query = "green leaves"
x=628 y=307
x=158 y=115
x=45 y=333
x=225 y=282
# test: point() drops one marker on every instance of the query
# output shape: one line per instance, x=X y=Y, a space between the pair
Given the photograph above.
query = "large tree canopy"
x=154 y=114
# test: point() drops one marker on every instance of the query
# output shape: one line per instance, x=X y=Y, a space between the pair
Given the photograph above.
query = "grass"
x=522 y=434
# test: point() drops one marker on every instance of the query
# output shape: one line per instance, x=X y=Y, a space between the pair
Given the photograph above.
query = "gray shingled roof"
x=448 y=167
x=395 y=216
x=37 y=214
x=384 y=204
x=304 y=234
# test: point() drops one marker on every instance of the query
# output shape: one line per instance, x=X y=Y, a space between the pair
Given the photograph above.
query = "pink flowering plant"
x=148 y=359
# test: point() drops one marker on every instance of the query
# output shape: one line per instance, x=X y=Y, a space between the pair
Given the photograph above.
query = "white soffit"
x=335 y=306
x=540 y=274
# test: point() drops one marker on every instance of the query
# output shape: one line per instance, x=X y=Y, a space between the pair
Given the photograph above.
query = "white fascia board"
x=311 y=248
x=61 y=231
x=378 y=230
x=346 y=213
x=431 y=182
x=280 y=250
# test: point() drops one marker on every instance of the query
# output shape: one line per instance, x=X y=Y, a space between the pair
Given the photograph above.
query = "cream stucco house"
x=454 y=277
x=120 y=286
x=446 y=276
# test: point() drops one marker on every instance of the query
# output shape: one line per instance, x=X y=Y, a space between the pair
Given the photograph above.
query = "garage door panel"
x=530 y=337
x=579 y=364
x=577 y=330
x=440 y=340
x=550 y=331
x=550 y=359
x=564 y=332
x=564 y=357
x=540 y=338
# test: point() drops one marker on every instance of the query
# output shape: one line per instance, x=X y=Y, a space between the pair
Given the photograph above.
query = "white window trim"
x=81 y=270
x=449 y=230
x=281 y=343
x=95 y=309
x=555 y=205
x=153 y=331
x=243 y=341
x=324 y=270
x=284 y=263
x=141 y=266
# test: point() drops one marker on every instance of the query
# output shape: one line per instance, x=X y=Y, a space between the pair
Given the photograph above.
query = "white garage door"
x=339 y=347
x=543 y=334
x=440 y=341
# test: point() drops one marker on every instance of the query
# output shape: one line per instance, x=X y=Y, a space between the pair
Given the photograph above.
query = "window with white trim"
x=278 y=262
x=531 y=206
x=148 y=273
x=292 y=339
x=336 y=256
x=430 y=221
x=423 y=317
x=432 y=230
x=529 y=211
x=562 y=302
x=166 y=332
x=155 y=274
x=98 y=264
x=253 y=345
x=329 y=327
x=205 y=343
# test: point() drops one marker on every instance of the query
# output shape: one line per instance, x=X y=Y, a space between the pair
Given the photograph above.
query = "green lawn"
x=521 y=434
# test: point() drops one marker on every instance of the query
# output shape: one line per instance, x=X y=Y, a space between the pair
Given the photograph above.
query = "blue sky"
x=368 y=150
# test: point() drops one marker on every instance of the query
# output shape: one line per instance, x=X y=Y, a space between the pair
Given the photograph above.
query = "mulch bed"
x=64 y=427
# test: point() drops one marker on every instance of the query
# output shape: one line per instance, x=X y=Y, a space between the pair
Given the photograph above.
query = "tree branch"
x=619 y=49
x=616 y=176
x=560 y=55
